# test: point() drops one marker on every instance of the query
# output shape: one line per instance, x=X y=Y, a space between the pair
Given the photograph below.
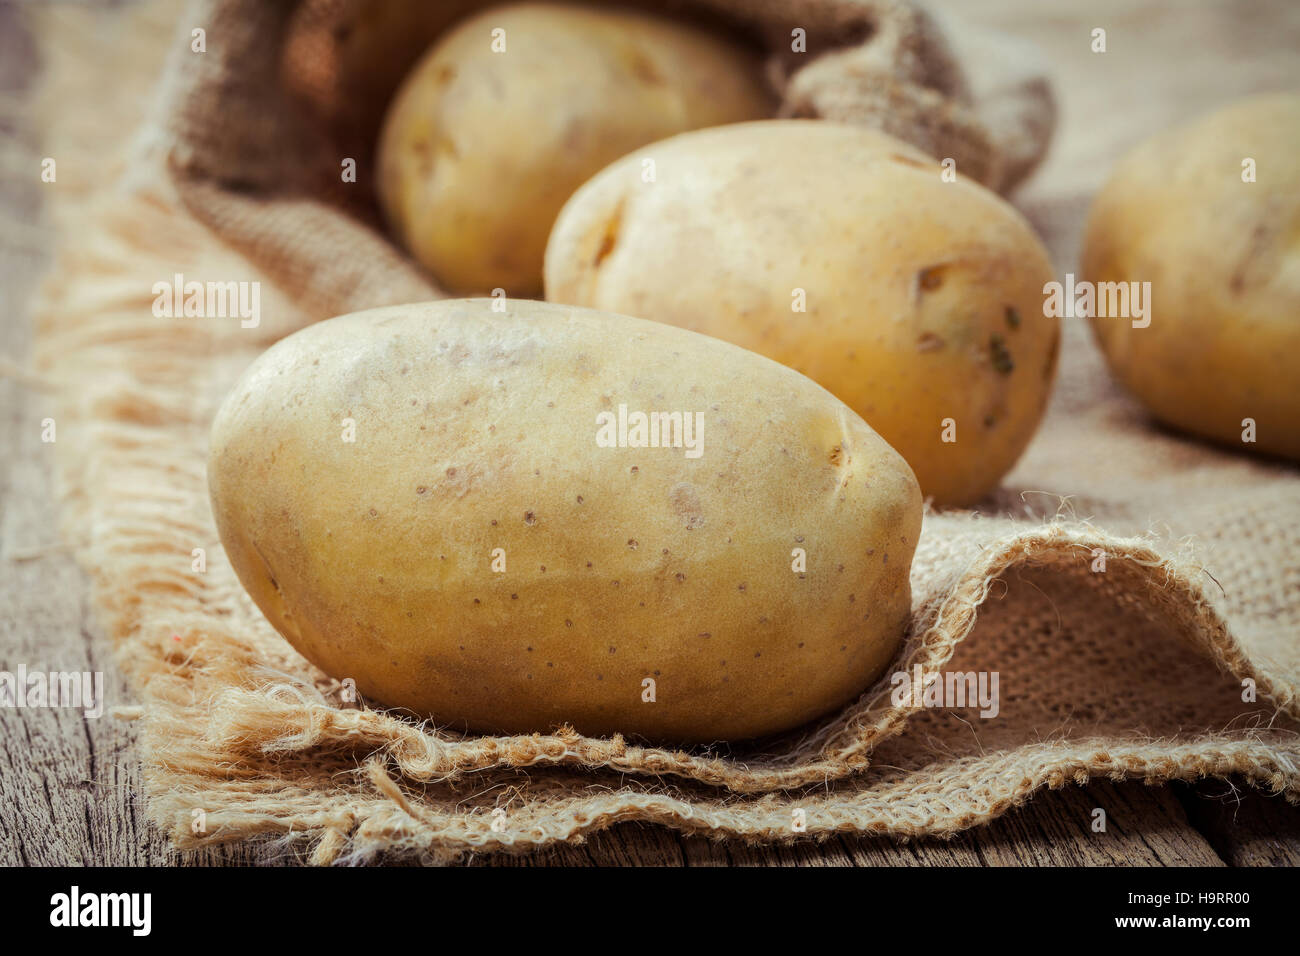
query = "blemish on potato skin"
x=929 y=279
x=908 y=160
x=929 y=342
x=1013 y=317
x=685 y=501
x=1000 y=355
x=423 y=153
x=609 y=238
x=529 y=518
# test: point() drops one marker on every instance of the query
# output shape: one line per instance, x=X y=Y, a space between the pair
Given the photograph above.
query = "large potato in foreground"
x=923 y=298
x=480 y=149
x=1222 y=256
x=477 y=431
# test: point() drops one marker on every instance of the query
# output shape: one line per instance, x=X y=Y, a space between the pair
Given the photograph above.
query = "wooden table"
x=71 y=788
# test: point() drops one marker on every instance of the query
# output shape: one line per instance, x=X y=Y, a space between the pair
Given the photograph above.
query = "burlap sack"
x=1131 y=588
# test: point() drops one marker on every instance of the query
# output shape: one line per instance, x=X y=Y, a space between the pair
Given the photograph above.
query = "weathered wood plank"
x=1245 y=827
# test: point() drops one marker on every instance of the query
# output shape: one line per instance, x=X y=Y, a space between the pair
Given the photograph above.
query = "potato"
x=844 y=254
x=479 y=553
x=480 y=149
x=1216 y=355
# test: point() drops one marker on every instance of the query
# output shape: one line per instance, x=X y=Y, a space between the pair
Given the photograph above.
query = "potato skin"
x=924 y=298
x=480 y=149
x=476 y=430
x=1223 y=260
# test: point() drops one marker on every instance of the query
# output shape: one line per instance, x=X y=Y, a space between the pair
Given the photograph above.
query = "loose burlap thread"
x=1134 y=671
